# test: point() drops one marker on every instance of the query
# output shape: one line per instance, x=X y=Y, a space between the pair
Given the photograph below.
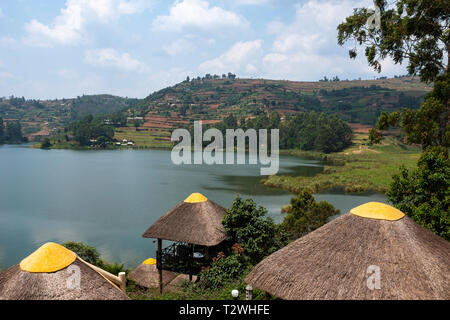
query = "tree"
x=46 y=144
x=85 y=252
x=375 y=136
x=305 y=214
x=428 y=126
x=417 y=30
x=424 y=193
x=2 y=131
x=248 y=226
x=13 y=132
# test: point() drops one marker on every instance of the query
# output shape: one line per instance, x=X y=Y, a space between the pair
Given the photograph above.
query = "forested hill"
x=44 y=117
x=213 y=98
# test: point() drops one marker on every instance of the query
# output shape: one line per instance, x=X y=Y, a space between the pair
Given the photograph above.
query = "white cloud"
x=1 y=13
x=69 y=27
x=7 y=41
x=110 y=58
x=240 y=58
x=198 y=14
x=6 y=75
x=307 y=48
x=179 y=46
x=68 y=74
x=251 y=2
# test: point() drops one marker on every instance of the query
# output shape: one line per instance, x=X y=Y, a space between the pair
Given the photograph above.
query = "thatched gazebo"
x=372 y=252
x=197 y=221
x=49 y=274
x=146 y=275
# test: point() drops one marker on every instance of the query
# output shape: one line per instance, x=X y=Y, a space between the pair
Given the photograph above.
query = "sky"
x=67 y=48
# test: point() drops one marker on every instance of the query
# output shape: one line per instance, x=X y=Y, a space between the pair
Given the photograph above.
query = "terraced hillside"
x=211 y=100
x=45 y=117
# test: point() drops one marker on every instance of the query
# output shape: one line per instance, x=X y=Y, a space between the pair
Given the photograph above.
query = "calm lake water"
x=107 y=199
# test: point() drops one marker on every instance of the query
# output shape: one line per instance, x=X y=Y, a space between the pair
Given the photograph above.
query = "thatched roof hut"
x=146 y=275
x=49 y=274
x=372 y=252
x=196 y=220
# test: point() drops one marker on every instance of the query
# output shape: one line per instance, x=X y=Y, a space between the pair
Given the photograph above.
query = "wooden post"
x=123 y=284
x=190 y=260
x=248 y=292
x=207 y=255
x=159 y=264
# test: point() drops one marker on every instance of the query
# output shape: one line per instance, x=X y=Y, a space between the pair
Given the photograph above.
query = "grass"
x=144 y=138
x=191 y=291
x=357 y=169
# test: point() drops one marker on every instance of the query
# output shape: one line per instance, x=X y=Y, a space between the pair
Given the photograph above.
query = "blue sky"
x=66 y=48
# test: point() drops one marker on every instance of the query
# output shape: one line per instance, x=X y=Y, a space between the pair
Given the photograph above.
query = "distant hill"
x=212 y=99
x=42 y=117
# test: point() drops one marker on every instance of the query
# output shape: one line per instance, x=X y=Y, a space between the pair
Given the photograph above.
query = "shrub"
x=248 y=226
x=85 y=252
x=221 y=272
x=306 y=214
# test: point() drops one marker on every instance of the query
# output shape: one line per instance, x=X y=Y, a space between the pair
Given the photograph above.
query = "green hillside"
x=211 y=99
x=44 y=117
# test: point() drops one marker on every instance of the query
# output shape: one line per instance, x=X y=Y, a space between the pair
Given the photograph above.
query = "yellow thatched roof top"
x=149 y=261
x=50 y=257
x=377 y=210
x=196 y=198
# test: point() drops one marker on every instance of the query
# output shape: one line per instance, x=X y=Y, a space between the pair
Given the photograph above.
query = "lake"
x=107 y=199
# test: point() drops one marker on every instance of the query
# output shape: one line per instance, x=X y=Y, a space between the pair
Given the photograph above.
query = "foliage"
x=247 y=225
x=13 y=133
x=222 y=271
x=85 y=252
x=46 y=144
x=306 y=214
x=375 y=136
x=419 y=31
x=416 y=30
x=90 y=128
x=356 y=169
x=315 y=131
x=305 y=131
x=428 y=126
x=424 y=193
x=92 y=256
x=113 y=268
x=2 y=131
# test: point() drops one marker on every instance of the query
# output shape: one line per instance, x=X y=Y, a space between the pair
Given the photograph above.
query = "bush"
x=46 y=144
x=306 y=214
x=247 y=225
x=221 y=272
x=114 y=268
x=424 y=193
x=85 y=252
